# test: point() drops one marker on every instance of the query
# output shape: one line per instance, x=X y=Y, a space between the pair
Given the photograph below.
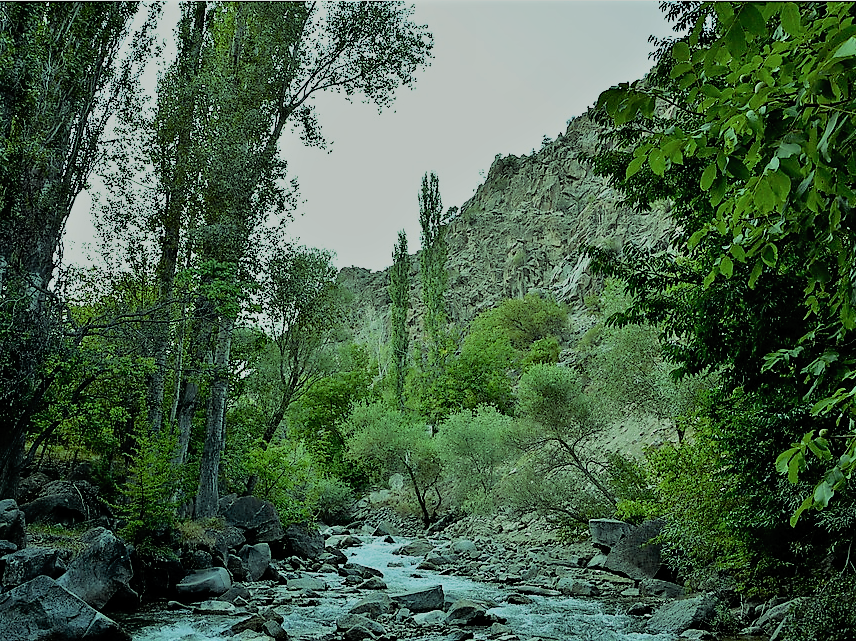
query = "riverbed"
x=544 y=618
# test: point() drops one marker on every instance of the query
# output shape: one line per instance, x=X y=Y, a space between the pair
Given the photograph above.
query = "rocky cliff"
x=525 y=229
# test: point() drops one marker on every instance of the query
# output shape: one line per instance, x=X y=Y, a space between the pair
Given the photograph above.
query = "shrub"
x=828 y=614
x=473 y=446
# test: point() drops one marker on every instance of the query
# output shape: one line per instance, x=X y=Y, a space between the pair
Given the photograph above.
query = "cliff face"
x=525 y=229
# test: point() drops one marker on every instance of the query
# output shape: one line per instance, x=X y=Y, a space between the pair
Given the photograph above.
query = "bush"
x=828 y=614
x=392 y=442
x=473 y=446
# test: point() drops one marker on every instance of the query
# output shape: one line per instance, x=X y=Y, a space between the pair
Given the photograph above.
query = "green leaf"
x=770 y=254
x=802 y=508
x=790 y=14
x=634 y=166
x=726 y=267
x=764 y=198
x=788 y=149
x=846 y=50
x=738 y=252
x=708 y=280
x=751 y=19
x=780 y=183
x=822 y=494
x=681 y=52
x=794 y=466
x=756 y=273
x=695 y=239
x=707 y=176
x=657 y=161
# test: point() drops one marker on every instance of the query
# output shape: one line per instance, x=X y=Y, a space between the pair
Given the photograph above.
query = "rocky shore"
x=247 y=570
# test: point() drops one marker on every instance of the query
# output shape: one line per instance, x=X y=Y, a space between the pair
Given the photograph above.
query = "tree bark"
x=207 y=495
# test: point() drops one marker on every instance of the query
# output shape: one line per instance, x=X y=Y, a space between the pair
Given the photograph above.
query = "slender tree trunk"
x=207 y=496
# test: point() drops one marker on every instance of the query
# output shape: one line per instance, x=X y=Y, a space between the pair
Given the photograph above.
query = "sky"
x=503 y=76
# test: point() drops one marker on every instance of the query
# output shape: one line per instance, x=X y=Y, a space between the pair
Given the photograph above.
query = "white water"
x=547 y=617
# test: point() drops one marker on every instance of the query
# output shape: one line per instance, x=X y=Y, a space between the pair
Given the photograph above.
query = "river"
x=546 y=617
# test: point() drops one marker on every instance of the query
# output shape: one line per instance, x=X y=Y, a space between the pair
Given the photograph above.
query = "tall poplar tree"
x=399 y=294
x=432 y=271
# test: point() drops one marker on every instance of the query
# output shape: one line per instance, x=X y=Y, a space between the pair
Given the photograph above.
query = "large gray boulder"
x=303 y=540
x=101 y=570
x=673 y=618
x=350 y=621
x=418 y=547
x=606 y=533
x=65 y=503
x=373 y=606
x=635 y=555
x=41 y=610
x=204 y=584
x=13 y=526
x=257 y=519
x=256 y=559
x=467 y=612
x=422 y=600
x=24 y=565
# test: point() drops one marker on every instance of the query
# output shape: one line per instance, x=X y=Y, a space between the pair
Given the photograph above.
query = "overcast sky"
x=503 y=76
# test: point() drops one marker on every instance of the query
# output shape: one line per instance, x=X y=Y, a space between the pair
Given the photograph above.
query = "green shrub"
x=827 y=615
x=473 y=446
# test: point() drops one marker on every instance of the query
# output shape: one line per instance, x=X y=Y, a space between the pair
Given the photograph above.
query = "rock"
x=674 y=618
x=460 y=635
x=24 y=565
x=640 y=609
x=98 y=572
x=373 y=606
x=467 y=612
x=258 y=520
x=197 y=560
x=236 y=567
x=256 y=559
x=303 y=540
x=374 y=583
x=13 y=527
x=419 y=547
x=634 y=555
x=342 y=541
x=385 y=528
x=656 y=587
x=238 y=590
x=333 y=557
x=349 y=621
x=597 y=562
x=606 y=533
x=216 y=607
x=306 y=583
x=203 y=584
x=65 y=503
x=255 y=623
x=570 y=586
x=776 y=614
x=41 y=610
x=464 y=547
x=360 y=570
x=156 y=576
x=274 y=630
x=537 y=590
x=422 y=600
x=432 y=618
x=518 y=599
x=7 y=547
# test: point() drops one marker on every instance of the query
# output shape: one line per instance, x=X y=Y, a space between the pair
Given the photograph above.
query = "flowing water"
x=566 y=619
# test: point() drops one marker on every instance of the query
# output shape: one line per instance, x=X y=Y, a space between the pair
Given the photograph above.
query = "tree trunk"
x=207 y=496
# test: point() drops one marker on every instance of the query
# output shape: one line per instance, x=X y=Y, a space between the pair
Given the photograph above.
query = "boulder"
x=306 y=583
x=571 y=586
x=465 y=547
x=434 y=617
x=237 y=590
x=7 y=547
x=419 y=547
x=155 y=576
x=774 y=615
x=258 y=520
x=467 y=612
x=342 y=541
x=674 y=618
x=24 y=565
x=385 y=528
x=97 y=573
x=204 y=584
x=256 y=559
x=350 y=621
x=423 y=600
x=373 y=606
x=13 y=527
x=634 y=555
x=656 y=587
x=65 y=503
x=372 y=583
x=41 y=610
x=236 y=568
x=216 y=606
x=303 y=540
x=362 y=571
x=606 y=533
